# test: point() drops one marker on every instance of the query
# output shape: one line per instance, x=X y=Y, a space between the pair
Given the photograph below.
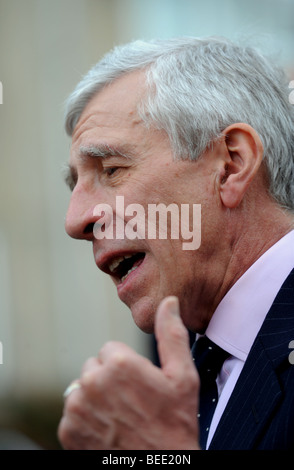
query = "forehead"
x=111 y=120
x=114 y=108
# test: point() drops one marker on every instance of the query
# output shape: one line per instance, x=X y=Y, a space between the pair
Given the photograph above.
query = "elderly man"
x=188 y=121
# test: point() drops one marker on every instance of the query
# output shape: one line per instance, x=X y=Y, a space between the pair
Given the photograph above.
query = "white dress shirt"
x=239 y=316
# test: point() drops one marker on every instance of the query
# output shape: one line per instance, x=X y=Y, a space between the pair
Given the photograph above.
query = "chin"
x=143 y=312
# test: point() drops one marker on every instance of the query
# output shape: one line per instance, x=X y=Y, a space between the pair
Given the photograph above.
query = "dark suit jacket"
x=260 y=412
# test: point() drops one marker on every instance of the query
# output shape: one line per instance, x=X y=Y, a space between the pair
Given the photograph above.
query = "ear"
x=244 y=152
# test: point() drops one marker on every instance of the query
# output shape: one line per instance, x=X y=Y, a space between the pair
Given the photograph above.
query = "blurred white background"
x=56 y=309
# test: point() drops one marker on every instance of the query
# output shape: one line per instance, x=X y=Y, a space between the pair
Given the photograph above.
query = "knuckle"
x=118 y=360
x=190 y=382
x=62 y=432
x=90 y=382
x=116 y=355
x=109 y=346
x=192 y=378
x=89 y=364
x=65 y=434
x=74 y=405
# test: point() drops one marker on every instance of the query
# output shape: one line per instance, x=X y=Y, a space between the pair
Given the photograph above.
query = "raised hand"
x=123 y=401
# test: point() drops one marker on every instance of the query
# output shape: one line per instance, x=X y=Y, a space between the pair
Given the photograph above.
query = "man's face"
x=137 y=163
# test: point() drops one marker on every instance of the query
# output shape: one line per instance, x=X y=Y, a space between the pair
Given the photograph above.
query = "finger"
x=120 y=362
x=116 y=353
x=113 y=358
x=92 y=377
x=90 y=364
x=172 y=339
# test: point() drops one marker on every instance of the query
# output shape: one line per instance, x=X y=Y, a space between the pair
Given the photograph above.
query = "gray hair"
x=198 y=87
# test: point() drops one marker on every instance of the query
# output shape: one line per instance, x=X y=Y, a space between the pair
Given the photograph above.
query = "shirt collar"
x=239 y=316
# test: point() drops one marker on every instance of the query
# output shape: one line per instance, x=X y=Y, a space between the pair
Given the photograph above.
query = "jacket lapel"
x=257 y=392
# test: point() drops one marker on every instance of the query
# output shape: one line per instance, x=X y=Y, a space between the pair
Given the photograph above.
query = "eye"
x=110 y=171
x=71 y=178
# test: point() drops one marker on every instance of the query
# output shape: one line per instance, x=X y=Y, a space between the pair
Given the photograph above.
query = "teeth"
x=129 y=271
x=115 y=263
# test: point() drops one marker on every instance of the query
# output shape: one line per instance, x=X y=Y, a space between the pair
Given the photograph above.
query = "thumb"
x=172 y=339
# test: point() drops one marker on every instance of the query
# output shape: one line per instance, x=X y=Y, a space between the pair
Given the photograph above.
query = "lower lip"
x=128 y=281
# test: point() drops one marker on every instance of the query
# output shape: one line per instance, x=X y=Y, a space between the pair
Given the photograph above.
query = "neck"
x=253 y=239
x=245 y=243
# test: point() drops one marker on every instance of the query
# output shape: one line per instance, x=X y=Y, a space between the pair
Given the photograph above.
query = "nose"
x=80 y=217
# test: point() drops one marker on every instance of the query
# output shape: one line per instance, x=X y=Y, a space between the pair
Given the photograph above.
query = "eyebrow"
x=104 y=151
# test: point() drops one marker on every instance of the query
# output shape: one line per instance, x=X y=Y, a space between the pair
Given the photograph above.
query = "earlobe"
x=244 y=152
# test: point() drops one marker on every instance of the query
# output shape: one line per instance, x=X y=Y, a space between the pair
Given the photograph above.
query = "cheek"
x=167 y=257
x=178 y=271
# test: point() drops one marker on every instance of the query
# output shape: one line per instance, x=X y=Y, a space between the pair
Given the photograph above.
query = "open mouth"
x=122 y=266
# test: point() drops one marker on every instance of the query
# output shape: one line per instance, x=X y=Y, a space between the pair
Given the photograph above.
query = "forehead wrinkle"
x=101 y=118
